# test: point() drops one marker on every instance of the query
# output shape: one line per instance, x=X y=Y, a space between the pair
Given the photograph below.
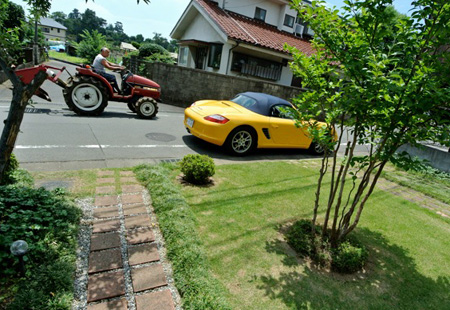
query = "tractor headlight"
x=153 y=89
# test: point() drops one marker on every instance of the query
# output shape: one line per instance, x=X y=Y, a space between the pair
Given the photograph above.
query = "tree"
x=378 y=77
x=59 y=16
x=21 y=92
x=90 y=44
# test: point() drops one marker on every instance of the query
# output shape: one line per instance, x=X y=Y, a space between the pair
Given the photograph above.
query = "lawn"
x=241 y=218
x=65 y=57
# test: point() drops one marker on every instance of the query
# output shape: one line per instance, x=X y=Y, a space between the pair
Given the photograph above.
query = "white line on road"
x=143 y=146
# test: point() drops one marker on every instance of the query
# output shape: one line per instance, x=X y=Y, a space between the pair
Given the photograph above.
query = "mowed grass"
x=65 y=57
x=436 y=185
x=240 y=221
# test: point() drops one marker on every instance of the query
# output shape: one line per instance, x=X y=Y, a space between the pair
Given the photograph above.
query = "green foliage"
x=348 y=257
x=375 y=74
x=90 y=45
x=136 y=44
x=48 y=222
x=11 y=166
x=161 y=58
x=199 y=288
x=148 y=49
x=299 y=237
x=197 y=169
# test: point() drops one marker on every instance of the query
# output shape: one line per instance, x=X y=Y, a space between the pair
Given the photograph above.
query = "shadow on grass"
x=390 y=281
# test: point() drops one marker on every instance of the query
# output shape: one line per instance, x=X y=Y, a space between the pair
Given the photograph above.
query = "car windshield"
x=246 y=102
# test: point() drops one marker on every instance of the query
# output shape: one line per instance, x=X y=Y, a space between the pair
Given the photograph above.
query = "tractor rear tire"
x=146 y=107
x=132 y=106
x=86 y=96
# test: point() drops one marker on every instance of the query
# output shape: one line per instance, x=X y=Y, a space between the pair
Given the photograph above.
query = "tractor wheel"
x=86 y=96
x=146 y=107
x=132 y=106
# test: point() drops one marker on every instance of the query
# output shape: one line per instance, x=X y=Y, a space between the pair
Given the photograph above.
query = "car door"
x=283 y=130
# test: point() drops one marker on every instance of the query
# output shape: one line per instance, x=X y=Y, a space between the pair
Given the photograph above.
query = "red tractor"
x=88 y=93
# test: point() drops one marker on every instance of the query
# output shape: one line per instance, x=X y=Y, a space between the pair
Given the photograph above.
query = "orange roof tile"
x=242 y=28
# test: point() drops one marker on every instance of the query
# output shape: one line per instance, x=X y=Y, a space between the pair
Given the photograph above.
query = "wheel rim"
x=87 y=97
x=147 y=108
x=318 y=148
x=241 y=142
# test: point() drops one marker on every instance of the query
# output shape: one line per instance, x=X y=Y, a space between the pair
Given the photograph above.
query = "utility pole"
x=35 y=44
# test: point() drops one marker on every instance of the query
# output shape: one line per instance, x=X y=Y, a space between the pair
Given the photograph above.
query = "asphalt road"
x=54 y=138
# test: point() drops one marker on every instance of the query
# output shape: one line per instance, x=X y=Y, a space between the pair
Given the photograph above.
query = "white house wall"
x=200 y=30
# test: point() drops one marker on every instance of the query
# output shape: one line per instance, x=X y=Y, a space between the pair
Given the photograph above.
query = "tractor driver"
x=99 y=65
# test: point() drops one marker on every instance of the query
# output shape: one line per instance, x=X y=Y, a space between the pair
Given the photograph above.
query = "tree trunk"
x=21 y=95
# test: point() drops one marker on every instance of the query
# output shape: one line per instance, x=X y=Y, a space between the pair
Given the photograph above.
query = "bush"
x=11 y=166
x=148 y=49
x=349 y=257
x=91 y=44
x=48 y=222
x=161 y=58
x=197 y=169
x=299 y=237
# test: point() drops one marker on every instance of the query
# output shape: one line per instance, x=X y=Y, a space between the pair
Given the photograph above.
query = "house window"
x=260 y=14
x=215 y=55
x=183 y=57
x=289 y=20
x=58 y=30
x=46 y=30
x=258 y=67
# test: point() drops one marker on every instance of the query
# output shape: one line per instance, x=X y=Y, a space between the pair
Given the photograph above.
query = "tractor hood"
x=141 y=81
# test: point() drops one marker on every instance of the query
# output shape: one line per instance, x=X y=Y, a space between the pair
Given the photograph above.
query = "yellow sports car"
x=249 y=121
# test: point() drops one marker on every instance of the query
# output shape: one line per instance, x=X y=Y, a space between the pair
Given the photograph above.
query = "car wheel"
x=316 y=149
x=146 y=107
x=86 y=96
x=241 y=141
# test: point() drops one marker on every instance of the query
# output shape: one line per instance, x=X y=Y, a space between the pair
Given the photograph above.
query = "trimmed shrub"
x=299 y=237
x=349 y=257
x=197 y=169
x=148 y=49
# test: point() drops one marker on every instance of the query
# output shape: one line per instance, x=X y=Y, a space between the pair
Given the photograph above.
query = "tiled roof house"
x=52 y=29
x=241 y=37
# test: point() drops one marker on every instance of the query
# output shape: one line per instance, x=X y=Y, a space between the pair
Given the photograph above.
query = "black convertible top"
x=259 y=102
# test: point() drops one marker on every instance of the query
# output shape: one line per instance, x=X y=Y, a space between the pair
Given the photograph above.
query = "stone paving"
x=126 y=265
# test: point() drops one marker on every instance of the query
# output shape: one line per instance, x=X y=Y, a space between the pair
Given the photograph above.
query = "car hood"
x=222 y=107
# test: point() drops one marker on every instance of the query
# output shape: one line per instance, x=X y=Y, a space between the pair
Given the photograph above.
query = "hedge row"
x=198 y=288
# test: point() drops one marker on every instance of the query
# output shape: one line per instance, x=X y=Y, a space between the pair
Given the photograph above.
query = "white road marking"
x=143 y=146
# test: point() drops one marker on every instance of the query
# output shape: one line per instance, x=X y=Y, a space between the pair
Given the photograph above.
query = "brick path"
x=126 y=269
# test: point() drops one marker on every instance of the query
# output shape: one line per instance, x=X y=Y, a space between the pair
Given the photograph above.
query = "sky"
x=159 y=16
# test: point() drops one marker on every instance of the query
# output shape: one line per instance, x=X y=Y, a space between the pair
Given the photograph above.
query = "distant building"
x=127 y=47
x=242 y=38
x=52 y=30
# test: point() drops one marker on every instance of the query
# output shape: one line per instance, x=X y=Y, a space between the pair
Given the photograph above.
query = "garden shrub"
x=48 y=222
x=11 y=166
x=148 y=49
x=197 y=169
x=348 y=257
x=299 y=237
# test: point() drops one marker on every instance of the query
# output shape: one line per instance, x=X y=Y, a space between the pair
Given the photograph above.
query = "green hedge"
x=198 y=288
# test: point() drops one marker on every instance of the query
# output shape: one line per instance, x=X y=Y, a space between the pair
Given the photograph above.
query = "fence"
x=182 y=86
